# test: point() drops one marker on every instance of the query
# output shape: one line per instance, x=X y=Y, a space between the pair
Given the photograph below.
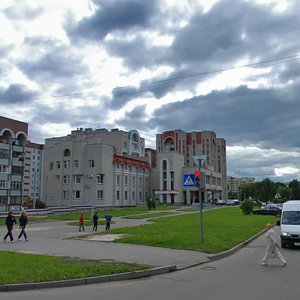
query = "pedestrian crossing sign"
x=189 y=180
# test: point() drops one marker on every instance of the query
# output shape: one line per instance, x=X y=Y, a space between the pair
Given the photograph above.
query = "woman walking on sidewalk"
x=23 y=220
x=9 y=222
x=272 y=248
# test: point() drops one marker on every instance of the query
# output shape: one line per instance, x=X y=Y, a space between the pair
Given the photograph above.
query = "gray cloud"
x=19 y=12
x=112 y=16
x=16 y=93
x=215 y=40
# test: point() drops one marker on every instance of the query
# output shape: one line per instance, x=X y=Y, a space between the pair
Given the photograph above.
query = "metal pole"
x=201 y=203
x=201 y=217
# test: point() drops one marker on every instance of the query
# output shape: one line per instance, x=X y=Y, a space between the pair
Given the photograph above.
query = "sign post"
x=198 y=182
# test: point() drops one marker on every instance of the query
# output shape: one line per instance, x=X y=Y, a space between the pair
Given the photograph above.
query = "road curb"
x=86 y=281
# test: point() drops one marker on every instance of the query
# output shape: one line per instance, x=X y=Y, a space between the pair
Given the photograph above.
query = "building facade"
x=179 y=155
x=96 y=168
x=234 y=183
x=33 y=174
x=13 y=138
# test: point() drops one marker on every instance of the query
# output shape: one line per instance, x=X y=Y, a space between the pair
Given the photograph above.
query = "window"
x=51 y=166
x=76 y=163
x=66 y=195
x=125 y=195
x=67 y=152
x=3 y=169
x=77 y=194
x=77 y=179
x=118 y=179
x=100 y=194
x=133 y=195
x=126 y=180
x=16 y=185
x=100 y=178
x=3 y=184
x=58 y=164
x=133 y=182
x=66 y=179
x=118 y=195
x=66 y=164
x=91 y=163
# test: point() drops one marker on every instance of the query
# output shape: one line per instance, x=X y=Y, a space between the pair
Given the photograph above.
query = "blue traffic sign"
x=189 y=180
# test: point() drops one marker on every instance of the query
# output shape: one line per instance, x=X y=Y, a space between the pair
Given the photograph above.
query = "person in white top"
x=272 y=247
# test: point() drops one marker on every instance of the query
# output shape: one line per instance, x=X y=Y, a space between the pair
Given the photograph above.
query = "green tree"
x=294 y=185
x=267 y=190
x=285 y=192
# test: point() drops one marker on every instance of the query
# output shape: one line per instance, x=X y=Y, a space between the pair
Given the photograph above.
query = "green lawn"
x=223 y=229
x=26 y=268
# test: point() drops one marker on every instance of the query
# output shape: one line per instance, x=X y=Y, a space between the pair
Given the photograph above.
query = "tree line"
x=267 y=190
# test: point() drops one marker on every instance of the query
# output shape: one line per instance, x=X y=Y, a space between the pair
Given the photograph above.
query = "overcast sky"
x=230 y=66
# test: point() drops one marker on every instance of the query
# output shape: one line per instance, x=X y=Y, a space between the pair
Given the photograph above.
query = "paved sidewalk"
x=52 y=238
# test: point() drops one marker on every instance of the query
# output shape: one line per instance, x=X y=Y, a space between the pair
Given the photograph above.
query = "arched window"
x=67 y=152
x=169 y=145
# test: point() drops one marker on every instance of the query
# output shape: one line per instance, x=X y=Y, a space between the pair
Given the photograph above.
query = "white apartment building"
x=96 y=168
x=33 y=171
x=179 y=154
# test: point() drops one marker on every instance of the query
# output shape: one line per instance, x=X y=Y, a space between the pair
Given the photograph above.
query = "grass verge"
x=27 y=268
x=223 y=229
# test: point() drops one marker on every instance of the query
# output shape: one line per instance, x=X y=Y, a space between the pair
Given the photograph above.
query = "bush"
x=151 y=203
x=247 y=207
x=39 y=204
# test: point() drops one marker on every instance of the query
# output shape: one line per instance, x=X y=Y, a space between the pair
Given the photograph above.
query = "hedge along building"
x=178 y=155
x=96 y=168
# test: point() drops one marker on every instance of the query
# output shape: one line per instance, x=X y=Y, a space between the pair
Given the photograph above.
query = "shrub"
x=39 y=204
x=247 y=207
x=151 y=203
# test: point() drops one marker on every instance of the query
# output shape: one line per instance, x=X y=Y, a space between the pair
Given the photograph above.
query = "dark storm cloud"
x=135 y=118
x=121 y=96
x=50 y=61
x=16 y=93
x=110 y=16
x=216 y=40
x=137 y=53
x=241 y=116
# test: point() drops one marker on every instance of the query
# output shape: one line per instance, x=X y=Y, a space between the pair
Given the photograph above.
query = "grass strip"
x=27 y=268
x=223 y=229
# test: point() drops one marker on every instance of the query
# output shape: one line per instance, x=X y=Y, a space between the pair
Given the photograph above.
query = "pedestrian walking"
x=23 y=220
x=108 y=221
x=9 y=222
x=272 y=248
x=81 y=223
x=95 y=220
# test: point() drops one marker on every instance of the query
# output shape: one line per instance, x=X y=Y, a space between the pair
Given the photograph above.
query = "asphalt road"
x=239 y=276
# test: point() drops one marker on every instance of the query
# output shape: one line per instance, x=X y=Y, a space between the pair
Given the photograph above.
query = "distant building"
x=96 y=168
x=179 y=155
x=13 y=138
x=33 y=174
x=234 y=183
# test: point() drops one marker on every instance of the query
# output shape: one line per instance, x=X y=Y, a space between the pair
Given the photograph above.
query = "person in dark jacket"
x=23 y=220
x=108 y=221
x=95 y=219
x=9 y=222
